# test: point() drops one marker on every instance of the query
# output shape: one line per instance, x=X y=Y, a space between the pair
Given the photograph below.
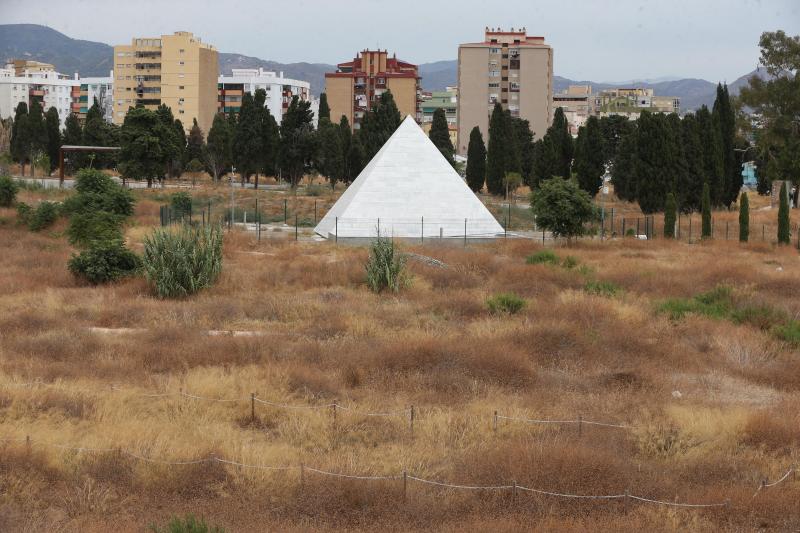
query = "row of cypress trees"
x=664 y=154
x=34 y=134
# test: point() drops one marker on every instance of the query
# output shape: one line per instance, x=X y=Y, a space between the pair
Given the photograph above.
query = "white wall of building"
x=273 y=83
x=57 y=91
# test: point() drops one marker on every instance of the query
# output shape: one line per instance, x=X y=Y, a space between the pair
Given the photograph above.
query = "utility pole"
x=233 y=173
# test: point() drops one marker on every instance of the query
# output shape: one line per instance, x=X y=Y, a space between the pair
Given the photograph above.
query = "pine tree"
x=589 y=162
x=298 y=142
x=324 y=110
x=706 y=211
x=142 y=155
x=20 y=136
x=670 y=212
x=784 y=232
x=496 y=163
x=219 y=148
x=440 y=135
x=476 y=160
x=744 y=218
x=53 y=130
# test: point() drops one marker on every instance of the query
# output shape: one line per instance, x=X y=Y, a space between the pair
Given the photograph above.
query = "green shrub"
x=505 y=303
x=85 y=228
x=182 y=262
x=602 y=288
x=386 y=267
x=98 y=192
x=716 y=303
x=8 y=191
x=190 y=524
x=104 y=261
x=569 y=262
x=181 y=204
x=789 y=332
x=630 y=232
x=542 y=257
x=43 y=216
x=24 y=212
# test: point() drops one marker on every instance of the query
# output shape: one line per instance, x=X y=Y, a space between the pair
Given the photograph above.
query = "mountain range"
x=41 y=43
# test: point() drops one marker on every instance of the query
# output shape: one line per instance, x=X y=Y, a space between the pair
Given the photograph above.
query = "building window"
x=180 y=111
x=180 y=75
x=494 y=73
x=494 y=50
x=180 y=63
x=180 y=87
x=181 y=50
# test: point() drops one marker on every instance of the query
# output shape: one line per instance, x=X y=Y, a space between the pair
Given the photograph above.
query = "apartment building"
x=178 y=70
x=357 y=84
x=447 y=100
x=29 y=81
x=630 y=101
x=280 y=90
x=577 y=102
x=100 y=89
x=507 y=67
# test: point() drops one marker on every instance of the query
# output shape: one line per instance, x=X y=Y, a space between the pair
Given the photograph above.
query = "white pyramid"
x=408 y=190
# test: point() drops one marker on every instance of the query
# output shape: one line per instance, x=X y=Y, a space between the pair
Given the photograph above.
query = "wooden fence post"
x=495 y=422
x=405 y=486
x=302 y=474
x=580 y=426
x=411 y=422
x=253 y=406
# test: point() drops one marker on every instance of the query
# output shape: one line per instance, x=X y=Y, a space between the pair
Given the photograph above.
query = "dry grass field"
x=710 y=399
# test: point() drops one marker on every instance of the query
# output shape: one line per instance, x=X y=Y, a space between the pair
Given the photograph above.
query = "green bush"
x=602 y=288
x=505 y=303
x=190 y=524
x=24 y=212
x=716 y=303
x=8 y=191
x=43 y=216
x=182 y=262
x=98 y=192
x=630 y=233
x=104 y=261
x=542 y=257
x=181 y=204
x=386 y=267
x=569 y=262
x=88 y=227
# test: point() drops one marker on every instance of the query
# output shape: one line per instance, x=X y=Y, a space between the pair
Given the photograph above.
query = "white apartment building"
x=100 y=89
x=279 y=90
x=46 y=85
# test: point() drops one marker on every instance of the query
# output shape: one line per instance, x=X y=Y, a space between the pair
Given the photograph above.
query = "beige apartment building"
x=357 y=84
x=178 y=70
x=508 y=67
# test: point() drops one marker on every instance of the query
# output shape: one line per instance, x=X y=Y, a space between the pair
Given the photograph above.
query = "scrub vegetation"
x=693 y=347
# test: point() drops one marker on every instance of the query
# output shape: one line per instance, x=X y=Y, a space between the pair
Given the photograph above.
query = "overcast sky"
x=612 y=40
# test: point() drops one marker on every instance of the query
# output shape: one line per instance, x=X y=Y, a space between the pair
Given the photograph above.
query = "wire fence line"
x=404 y=476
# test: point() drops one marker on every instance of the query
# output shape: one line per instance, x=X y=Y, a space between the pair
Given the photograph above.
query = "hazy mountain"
x=96 y=59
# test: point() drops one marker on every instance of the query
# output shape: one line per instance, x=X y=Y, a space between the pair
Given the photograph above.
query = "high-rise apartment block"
x=509 y=68
x=23 y=81
x=178 y=70
x=357 y=84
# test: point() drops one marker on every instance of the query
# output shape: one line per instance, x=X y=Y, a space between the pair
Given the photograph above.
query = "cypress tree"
x=653 y=162
x=73 y=133
x=744 y=218
x=523 y=141
x=329 y=159
x=732 y=176
x=623 y=173
x=219 y=146
x=324 y=110
x=20 y=136
x=589 y=161
x=379 y=124
x=247 y=147
x=678 y=166
x=711 y=142
x=298 y=141
x=784 y=233
x=52 y=127
x=195 y=144
x=476 y=160
x=346 y=138
x=706 y=230
x=562 y=140
x=497 y=151
x=440 y=135
x=670 y=211
x=355 y=157
x=690 y=192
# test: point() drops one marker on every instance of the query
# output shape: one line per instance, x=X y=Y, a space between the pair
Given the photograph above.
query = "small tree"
x=8 y=191
x=104 y=261
x=784 y=233
x=669 y=216
x=706 y=213
x=476 y=160
x=744 y=218
x=511 y=181
x=562 y=207
x=440 y=135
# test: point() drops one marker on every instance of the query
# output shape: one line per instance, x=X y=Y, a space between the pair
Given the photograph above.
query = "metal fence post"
x=422 y=233
x=336 y=237
x=295 y=227
x=285 y=211
x=465 y=233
